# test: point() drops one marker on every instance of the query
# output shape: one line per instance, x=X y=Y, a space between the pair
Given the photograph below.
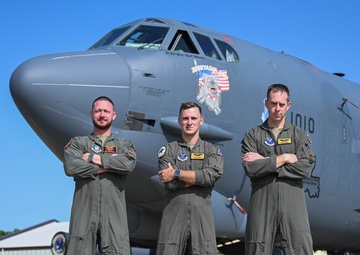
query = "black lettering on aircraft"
x=307 y=123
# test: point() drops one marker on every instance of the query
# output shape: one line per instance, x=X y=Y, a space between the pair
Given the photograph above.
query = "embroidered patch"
x=269 y=141
x=219 y=152
x=110 y=149
x=284 y=140
x=96 y=148
x=161 y=152
x=197 y=155
x=182 y=156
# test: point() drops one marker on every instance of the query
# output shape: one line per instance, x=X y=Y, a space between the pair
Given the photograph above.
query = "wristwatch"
x=91 y=155
x=177 y=173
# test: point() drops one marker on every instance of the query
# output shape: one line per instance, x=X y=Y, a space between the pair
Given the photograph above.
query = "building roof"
x=37 y=236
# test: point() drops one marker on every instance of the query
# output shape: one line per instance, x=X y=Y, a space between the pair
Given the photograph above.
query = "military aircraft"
x=150 y=66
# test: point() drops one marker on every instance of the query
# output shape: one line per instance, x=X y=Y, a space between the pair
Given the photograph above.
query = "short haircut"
x=278 y=88
x=102 y=98
x=188 y=105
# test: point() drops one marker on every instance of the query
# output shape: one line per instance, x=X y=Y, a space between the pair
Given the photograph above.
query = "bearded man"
x=99 y=164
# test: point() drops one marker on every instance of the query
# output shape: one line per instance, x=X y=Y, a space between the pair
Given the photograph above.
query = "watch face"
x=177 y=173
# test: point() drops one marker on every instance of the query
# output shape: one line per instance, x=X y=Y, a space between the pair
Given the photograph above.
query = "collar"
x=265 y=125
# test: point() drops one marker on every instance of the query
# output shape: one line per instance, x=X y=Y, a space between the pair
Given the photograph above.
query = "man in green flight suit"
x=189 y=169
x=99 y=164
x=277 y=156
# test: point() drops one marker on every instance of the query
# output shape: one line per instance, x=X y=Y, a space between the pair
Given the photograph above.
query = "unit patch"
x=269 y=141
x=96 y=148
x=182 y=156
x=161 y=152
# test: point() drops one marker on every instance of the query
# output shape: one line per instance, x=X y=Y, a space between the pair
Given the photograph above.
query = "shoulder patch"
x=161 y=152
x=308 y=137
x=219 y=152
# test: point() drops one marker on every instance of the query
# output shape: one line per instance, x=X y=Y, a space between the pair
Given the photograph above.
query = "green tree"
x=4 y=233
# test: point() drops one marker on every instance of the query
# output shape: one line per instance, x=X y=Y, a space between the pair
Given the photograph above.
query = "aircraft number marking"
x=303 y=121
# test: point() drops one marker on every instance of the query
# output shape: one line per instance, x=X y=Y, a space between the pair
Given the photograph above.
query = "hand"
x=167 y=174
x=102 y=170
x=251 y=156
x=290 y=158
x=85 y=156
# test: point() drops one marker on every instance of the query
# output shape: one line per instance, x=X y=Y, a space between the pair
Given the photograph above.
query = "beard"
x=102 y=127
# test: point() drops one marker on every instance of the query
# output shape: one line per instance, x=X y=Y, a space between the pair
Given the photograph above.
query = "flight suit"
x=187 y=220
x=98 y=214
x=277 y=203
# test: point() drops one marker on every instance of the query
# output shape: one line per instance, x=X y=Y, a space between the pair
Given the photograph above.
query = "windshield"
x=145 y=37
x=110 y=37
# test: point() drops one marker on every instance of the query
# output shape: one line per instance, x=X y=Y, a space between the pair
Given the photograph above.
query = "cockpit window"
x=182 y=43
x=145 y=37
x=207 y=46
x=227 y=51
x=109 y=37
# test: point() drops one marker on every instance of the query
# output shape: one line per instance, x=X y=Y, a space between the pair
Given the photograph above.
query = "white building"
x=35 y=240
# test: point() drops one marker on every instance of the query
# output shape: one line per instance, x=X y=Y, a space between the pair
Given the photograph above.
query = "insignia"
x=308 y=137
x=110 y=149
x=217 y=166
x=219 y=152
x=161 y=152
x=284 y=140
x=269 y=141
x=195 y=155
x=182 y=156
x=96 y=148
x=265 y=113
x=68 y=144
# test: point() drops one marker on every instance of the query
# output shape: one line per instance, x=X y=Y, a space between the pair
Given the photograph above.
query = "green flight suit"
x=98 y=214
x=187 y=220
x=277 y=203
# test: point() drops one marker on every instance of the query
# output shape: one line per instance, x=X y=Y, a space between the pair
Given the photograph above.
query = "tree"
x=4 y=233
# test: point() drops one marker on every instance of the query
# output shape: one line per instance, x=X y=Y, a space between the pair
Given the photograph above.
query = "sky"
x=33 y=185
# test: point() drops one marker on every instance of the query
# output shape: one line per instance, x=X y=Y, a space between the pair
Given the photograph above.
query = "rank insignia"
x=284 y=140
x=269 y=141
x=182 y=156
x=197 y=155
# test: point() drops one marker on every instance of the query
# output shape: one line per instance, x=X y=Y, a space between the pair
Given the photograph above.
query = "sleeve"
x=165 y=156
x=260 y=167
x=122 y=162
x=306 y=159
x=74 y=165
x=212 y=169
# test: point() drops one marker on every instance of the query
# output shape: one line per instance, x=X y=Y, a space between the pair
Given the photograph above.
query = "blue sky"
x=33 y=185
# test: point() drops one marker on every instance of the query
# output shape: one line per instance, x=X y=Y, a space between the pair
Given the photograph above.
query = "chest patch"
x=269 y=141
x=96 y=148
x=197 y=155
x=284 y=141
x=182 y=156
x=110 y=149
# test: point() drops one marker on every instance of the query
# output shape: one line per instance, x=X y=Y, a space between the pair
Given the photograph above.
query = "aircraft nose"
x=52 y=90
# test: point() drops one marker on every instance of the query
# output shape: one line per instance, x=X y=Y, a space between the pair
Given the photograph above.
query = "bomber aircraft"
x=150 y=66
